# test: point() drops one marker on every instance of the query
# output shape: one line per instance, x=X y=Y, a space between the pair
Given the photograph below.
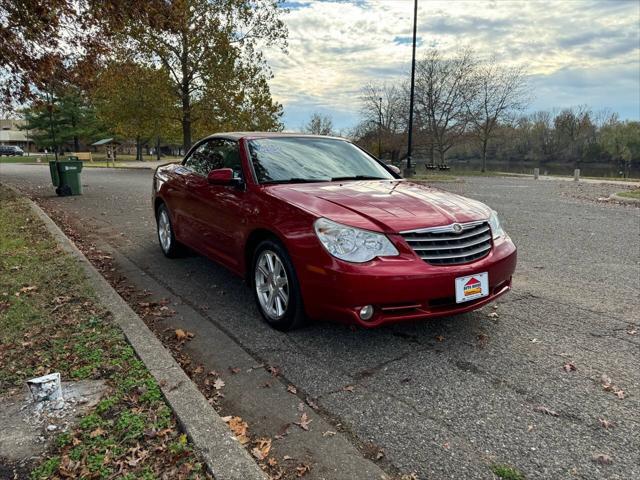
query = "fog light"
x=366 y=312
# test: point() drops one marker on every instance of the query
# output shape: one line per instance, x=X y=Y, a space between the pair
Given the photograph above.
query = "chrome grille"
x=452 y=244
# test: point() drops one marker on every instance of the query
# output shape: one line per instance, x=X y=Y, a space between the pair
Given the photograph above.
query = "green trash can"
x=53 y=169
x=65 y=175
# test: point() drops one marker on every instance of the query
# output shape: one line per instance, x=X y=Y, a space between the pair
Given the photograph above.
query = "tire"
x=63 y=191
x=170 y=247
x=275 y=287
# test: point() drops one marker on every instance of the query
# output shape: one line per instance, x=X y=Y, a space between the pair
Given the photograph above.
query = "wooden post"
x=576 y=175
x=536 y=173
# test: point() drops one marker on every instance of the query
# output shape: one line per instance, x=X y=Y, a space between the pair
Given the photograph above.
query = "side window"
x=216 y=153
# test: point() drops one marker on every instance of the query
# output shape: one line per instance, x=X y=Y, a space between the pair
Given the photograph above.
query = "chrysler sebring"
x=321 y=229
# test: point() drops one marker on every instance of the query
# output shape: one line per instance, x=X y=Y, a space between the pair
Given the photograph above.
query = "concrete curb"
x=618 y=198
x=223 y=454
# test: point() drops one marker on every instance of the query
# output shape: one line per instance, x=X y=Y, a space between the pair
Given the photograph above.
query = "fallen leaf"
x=287 y=457
x=619 y=393
x=239 y=428
x=570 y=367
x=283 y=431
x=198 y=370
x=546 y=411
x=304 y=421
x=303 y=469
x=492 y=315
x=348 y=388
x=97 y=432
x=262 y=448
x=292 y=389
x=312 y=403
x=602 y=459
x=380 y=453
x=329 y=433
x=530 y=428
x=218 y=384
x=606 y=424
x=182 y=335
x=272 y=462
x=234 y=370
x=275 y=371
x=439 y=338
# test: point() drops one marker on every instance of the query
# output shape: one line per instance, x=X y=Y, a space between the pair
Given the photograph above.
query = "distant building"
x=10 y=134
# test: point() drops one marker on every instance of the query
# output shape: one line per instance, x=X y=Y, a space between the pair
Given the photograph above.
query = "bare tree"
x=319 y=125
x=443 y=87
x=383 y=113
x=496 y=94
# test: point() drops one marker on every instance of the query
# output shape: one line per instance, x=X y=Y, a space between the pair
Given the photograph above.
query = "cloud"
x=589 y=54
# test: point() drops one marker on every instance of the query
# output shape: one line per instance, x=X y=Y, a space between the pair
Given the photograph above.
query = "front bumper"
x=400 y=288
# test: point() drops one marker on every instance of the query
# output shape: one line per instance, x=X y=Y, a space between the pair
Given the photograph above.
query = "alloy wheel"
x=164 y=230
x=272 y=284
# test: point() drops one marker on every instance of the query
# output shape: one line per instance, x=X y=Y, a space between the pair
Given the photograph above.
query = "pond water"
x=586 y=169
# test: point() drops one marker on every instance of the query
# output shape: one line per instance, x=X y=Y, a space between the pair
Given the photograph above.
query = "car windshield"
x=311 y=159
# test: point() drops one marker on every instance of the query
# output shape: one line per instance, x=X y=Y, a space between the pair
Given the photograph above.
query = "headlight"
x=352 y=244
x=496 y=228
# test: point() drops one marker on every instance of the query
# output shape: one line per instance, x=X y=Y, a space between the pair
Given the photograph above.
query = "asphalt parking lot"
x=445 y=398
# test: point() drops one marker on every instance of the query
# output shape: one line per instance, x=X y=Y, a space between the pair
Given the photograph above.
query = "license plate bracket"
x=472 y=287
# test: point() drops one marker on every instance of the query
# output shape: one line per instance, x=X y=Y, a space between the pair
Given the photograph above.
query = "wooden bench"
x=82 y=156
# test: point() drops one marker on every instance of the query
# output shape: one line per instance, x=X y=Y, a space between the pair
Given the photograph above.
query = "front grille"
x=443 y=246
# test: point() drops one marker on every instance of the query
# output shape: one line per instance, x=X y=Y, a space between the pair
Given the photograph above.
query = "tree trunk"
x=158 y=148
x=484 y=154
x=76 y=144
x=138 y=149
x=186 y=121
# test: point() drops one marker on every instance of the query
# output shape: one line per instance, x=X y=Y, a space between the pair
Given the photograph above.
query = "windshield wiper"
x=296 y=180
x=358 y=177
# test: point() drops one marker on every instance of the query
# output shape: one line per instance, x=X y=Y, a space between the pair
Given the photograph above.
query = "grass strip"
x=50 y=321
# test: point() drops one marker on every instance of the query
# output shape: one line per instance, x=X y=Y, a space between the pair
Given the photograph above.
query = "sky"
x=576 y=52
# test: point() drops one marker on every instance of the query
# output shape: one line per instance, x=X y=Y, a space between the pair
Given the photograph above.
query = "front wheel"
x=276 y=287
x=170 y=247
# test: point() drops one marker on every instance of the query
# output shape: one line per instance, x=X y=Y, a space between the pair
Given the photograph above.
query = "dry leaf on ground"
x=239 y=428
x=218 y=384
x=262 y=448
x=304 y=421
x=183 y=335
x=546 y=411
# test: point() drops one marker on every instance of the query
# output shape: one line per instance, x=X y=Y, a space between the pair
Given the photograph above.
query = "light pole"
x=380 y=129
x=408 y=172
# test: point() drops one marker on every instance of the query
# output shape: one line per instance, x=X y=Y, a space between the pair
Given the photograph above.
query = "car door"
x=217 y=210
x=185 y=178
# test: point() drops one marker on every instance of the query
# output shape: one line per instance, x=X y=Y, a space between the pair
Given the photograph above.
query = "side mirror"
x=221 y=176
x=394 y=169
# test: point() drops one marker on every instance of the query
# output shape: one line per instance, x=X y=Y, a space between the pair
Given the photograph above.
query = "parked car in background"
x=321 y=229
x=11 y=151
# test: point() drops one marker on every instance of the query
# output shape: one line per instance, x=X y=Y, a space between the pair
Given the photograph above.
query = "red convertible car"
x=321 y=229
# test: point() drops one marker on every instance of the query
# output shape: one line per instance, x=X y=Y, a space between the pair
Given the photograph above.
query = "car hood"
x=384 y=205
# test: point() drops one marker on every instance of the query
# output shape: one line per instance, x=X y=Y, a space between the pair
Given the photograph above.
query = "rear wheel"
x=168 y=243
x=276 y=287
